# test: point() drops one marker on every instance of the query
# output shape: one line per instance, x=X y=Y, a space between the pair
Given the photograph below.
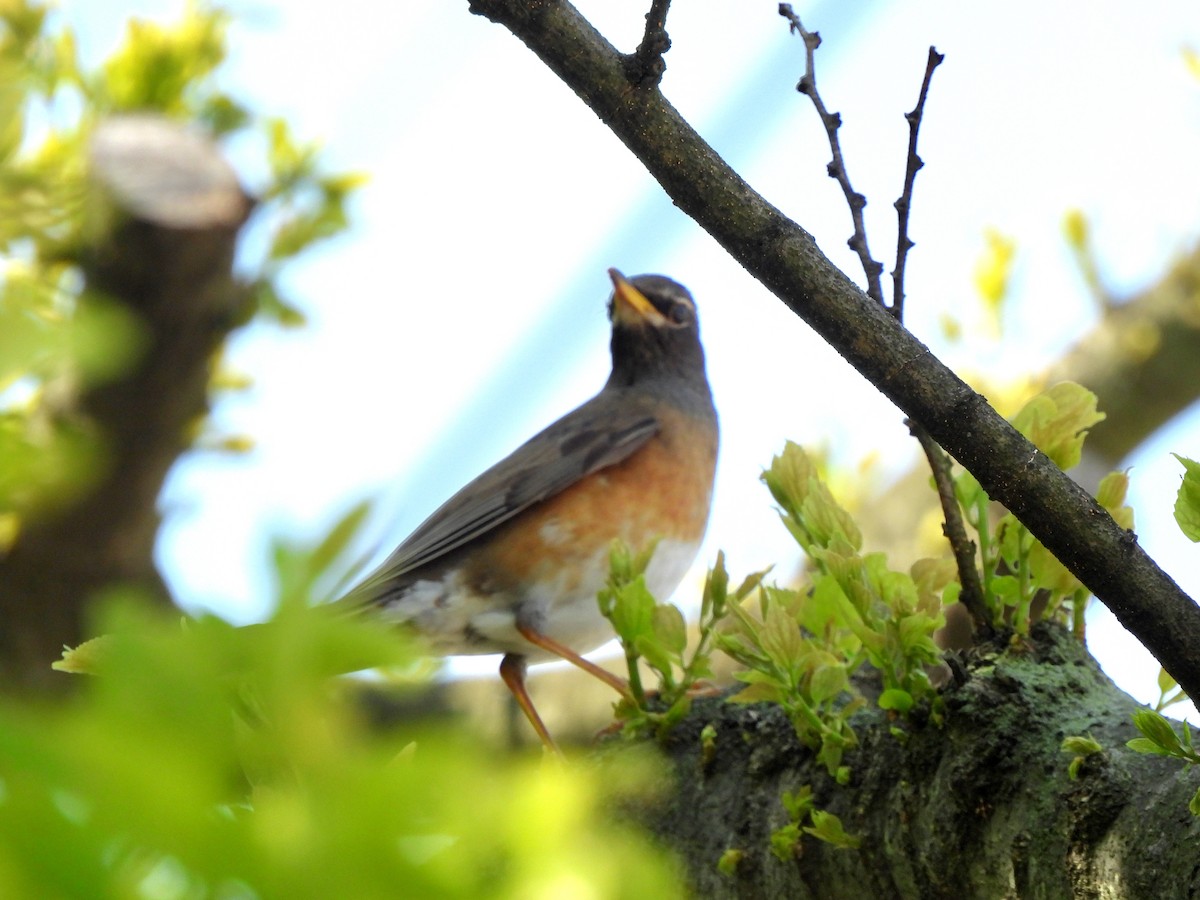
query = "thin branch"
x=837 y=166
x=649 y=64
x=964 y=551
x=904 y=204
x=953 y=527
x=786 y=259
x=955 y=530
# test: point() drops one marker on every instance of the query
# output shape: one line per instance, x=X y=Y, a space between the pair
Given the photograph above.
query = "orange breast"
x=663 y=491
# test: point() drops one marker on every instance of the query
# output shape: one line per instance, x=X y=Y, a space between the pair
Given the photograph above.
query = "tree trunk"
x=981 y=807
x=177 y=208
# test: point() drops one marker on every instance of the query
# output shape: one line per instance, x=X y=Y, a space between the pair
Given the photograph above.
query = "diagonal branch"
x=786 y=259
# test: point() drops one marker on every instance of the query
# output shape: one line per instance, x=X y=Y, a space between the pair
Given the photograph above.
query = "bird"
x=513 y=562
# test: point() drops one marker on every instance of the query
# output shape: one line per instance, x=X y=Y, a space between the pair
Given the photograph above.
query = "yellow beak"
x=630 y=306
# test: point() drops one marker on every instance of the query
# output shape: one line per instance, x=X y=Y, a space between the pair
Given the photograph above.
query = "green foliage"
x=1187 y=502
x=825 y=826
x=1078 y=233
x=795 y=671
x=203 y=760
x=993 y=274
x=56 y=338
x=728 y=863
x=168 y=69
x=1169 y=691
x=1017 y=571
x=1159 y=738
x=803 y=645
x=1083 y=747
x=656 y=634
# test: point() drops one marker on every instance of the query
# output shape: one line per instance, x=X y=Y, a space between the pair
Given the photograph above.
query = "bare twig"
x=837 y=166
x=953 y=527
x=649 y=64
x=955 y=530
x=904 y=204
x=939 y=463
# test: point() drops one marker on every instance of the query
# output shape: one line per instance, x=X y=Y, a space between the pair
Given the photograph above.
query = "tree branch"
x=949 y=812
x=1142 y=360
x=837 y=166
x=904 y=204
x=648 y=58
x=955 y=530
x=786 y=259
x=177 y=208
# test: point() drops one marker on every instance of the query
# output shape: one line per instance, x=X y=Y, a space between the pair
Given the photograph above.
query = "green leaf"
x=827 y=682
x=1057 y=420
x=1187 y=502
x=708 y=741
x=828 y=828
x=785 y=841
x=633 y=610
x=1084 y=745
x=728 y=863
x=716 y=587
x=337 y=541
x=970 y=494
x=1145 y=745
x=780 y=638
x=1158 y=730
x=669 y=628
x=1194 y=804
x=810 y=512
x=1110 y=494
x=830 y=755
x=798 y=803
x=894 y=698
x=993 y=271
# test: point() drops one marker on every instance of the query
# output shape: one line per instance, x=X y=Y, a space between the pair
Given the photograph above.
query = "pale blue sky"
x=466 y=308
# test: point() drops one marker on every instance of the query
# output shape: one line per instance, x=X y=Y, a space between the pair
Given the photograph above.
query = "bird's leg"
x=550 y=645
x=512 y=671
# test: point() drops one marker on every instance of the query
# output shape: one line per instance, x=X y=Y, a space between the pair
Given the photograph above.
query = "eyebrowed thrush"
x=513 y=562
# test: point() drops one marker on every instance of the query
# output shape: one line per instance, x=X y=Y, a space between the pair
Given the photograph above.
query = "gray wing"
x=593 y=437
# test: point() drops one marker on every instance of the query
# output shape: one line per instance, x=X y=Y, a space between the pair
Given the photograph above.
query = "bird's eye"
x=680 y=313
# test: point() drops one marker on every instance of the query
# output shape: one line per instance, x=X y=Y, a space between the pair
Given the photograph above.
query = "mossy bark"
x=980 y=807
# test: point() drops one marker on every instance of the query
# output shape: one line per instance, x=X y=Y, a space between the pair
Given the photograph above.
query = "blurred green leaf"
x=1187 y=501
x=159 y=65
x=993 y=273
x=207 y=755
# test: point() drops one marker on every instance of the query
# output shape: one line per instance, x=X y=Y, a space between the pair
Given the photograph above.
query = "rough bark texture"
x=979 y=808
x=787 y=260
x=174 y=208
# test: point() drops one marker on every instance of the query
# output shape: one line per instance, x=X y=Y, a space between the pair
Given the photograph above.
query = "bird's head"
x=655 y=332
